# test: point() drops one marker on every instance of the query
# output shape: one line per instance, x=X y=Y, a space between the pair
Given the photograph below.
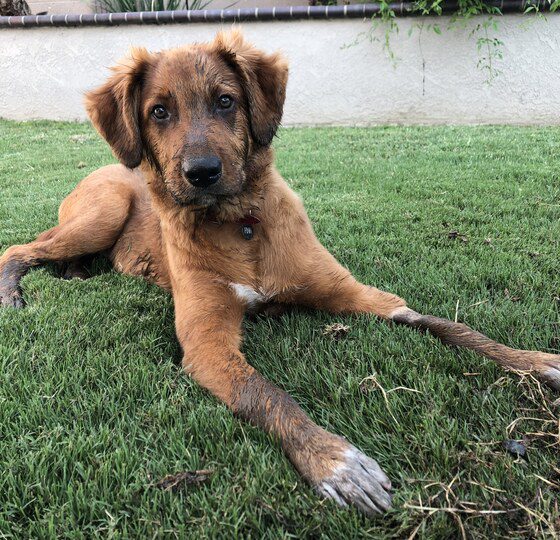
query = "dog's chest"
x=250 y=297
x=234 y=251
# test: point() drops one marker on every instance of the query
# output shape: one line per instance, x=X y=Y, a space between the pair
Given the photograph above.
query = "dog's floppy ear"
x=264 y=77
x=114 y=107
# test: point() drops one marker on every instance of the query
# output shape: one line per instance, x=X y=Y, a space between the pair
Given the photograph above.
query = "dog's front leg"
x=208 y=322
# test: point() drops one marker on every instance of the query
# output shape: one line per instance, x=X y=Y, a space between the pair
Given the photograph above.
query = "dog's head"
x=195 y=115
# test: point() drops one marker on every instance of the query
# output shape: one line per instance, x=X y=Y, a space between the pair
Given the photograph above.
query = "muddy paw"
x=11 y=297
x=11 y=272
x=359 y=481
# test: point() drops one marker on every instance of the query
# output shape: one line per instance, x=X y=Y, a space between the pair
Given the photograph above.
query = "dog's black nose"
x=204 y=171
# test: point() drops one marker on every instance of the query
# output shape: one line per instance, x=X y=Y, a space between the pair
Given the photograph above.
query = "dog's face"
x=195 y=115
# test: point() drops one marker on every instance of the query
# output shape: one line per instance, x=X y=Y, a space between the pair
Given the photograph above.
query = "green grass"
x=94 y=408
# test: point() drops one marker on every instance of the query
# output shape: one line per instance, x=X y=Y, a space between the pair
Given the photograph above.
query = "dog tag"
x=247 y=232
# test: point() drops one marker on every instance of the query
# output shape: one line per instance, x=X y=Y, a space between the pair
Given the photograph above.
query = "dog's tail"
x=545 y=365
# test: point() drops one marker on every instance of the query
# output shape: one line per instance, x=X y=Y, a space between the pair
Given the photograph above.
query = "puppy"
x=198 y=208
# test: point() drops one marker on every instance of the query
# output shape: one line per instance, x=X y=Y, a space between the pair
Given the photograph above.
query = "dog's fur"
x=152 y=222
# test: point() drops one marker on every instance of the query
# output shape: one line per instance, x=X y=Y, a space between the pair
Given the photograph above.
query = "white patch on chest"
x=248 y=295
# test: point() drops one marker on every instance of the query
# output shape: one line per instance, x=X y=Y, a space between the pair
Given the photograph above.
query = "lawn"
x=95 y=411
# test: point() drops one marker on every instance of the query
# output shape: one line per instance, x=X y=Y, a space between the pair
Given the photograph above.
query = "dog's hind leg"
x=545 y=365
x=88 y=225
x=329 y=286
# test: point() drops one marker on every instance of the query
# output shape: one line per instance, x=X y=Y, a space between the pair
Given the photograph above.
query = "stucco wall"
x=44 y=71
x=60 y=6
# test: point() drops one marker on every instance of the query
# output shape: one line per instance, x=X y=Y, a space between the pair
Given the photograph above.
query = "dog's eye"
x=225 y=102
x=160 y=112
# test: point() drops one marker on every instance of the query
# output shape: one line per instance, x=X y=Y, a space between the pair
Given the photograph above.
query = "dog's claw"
x=358 y=481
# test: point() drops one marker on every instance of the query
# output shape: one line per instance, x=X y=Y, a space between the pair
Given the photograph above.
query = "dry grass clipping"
x=539 y=426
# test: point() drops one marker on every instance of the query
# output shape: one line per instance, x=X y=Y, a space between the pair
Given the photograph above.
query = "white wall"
x=44 y=71
x=87 y=6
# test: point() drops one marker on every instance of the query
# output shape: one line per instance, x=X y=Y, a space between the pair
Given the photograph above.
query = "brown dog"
x=198 y=208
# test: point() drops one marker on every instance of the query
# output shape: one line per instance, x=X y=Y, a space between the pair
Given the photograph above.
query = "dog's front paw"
x=11 y=273
x=339 y=471
x=359 y=481
x=10 y=296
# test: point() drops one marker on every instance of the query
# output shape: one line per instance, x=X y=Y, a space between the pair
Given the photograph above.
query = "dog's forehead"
x=191 y=68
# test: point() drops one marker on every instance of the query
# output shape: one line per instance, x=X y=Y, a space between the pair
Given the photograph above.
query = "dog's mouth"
x=202 y=200
x=186 y=195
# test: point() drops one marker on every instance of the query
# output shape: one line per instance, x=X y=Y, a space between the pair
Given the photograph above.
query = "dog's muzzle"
x=202 y=172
